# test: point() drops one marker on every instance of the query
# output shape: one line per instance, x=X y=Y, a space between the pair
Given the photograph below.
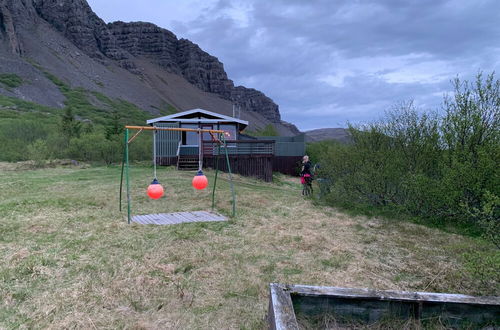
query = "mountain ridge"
x=339 y=134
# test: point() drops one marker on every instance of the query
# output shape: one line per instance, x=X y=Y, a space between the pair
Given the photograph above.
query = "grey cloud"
x=328 y=62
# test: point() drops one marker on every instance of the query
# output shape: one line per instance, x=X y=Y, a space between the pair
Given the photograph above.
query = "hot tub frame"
x=372 y=305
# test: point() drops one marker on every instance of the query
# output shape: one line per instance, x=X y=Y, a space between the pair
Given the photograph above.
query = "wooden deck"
x=177 y=217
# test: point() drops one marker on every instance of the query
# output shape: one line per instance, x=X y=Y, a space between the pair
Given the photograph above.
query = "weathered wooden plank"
x=147 y=220
x=151 y=219
x=281 y=315
x=193 y=217
x=197 y=217
x=158 y=219
x=172 y=219
x=391 y=295
x=168 y=219
x=204 y=216
x=188 y=217
x=137 y=219
x=181 y=216
x=211 y=215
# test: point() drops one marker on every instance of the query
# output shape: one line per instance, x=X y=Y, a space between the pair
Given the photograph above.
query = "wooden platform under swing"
x=177 y=217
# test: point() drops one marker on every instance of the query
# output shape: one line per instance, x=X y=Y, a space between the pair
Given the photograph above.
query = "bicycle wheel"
x=306 y=190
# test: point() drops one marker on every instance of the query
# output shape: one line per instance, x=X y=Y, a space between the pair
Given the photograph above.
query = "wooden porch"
x=256 y=158
x=246 y=157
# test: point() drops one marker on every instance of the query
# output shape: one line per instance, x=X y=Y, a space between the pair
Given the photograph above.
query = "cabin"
x=248 y=155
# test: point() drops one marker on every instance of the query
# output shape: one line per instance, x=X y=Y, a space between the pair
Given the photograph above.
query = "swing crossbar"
x=197 y=130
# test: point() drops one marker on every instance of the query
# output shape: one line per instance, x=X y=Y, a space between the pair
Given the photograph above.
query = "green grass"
x=14 y=107
x=71 y=261
x=10 y=80
x=338 y=261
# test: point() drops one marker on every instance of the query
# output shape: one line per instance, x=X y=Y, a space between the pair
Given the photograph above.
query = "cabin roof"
x=190 y=116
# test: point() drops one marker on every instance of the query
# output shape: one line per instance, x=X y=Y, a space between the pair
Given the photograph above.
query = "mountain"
x=337 y=134
x=57 y=47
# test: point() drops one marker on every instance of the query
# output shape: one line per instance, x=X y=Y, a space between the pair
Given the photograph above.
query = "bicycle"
x=307 y=188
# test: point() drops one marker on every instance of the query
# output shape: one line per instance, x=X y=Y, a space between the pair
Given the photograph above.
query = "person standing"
x=306 y=176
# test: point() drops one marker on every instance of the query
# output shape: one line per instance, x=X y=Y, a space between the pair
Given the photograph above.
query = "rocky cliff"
x=14 y=14
x=124 y=43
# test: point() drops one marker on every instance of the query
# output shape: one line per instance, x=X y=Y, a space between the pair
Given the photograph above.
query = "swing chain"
x=200 y=151
x=154 y=152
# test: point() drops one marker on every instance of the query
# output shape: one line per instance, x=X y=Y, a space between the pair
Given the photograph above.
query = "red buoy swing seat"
x=155 y=190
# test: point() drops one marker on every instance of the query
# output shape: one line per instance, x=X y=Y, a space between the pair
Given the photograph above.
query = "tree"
x=70 y=127
x=114 y=127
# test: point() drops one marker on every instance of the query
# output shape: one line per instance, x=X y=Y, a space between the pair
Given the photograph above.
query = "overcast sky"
x=327 y=62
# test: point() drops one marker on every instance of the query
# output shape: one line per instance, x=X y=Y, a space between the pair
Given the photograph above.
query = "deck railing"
x=240 y=147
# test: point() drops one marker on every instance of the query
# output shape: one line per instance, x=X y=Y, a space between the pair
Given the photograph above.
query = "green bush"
x=94 y=147
x=39 y=152
x=483 y=266
x=17 y=133
x=440 y=169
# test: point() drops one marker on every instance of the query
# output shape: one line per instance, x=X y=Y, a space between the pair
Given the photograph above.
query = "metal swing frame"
x=217 y=136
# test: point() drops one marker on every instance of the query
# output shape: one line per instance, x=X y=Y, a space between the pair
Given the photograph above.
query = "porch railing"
x=241 y=147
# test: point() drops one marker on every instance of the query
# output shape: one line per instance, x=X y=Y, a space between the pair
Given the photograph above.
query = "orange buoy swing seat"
x=156 y=191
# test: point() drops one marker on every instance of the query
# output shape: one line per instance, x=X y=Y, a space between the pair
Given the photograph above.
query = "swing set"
x=200 y=181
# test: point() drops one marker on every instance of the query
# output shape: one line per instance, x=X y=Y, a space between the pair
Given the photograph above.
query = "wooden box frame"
x=314 y=300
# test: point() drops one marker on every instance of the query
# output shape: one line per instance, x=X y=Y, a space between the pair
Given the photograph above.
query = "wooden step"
x=188 y=163
x=188 y=168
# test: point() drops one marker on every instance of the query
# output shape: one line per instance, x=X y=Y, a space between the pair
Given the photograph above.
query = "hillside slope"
x=136 y=62
x=337 y=134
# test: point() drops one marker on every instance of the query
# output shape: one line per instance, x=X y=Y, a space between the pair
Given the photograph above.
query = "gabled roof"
x=176 y=117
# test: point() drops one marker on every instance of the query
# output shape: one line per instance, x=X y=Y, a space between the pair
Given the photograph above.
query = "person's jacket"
x=306 y=169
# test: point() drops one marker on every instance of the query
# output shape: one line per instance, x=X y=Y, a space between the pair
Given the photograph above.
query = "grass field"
x=69 y=259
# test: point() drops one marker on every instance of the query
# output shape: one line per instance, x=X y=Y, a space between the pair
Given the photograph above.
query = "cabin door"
x=208 y=147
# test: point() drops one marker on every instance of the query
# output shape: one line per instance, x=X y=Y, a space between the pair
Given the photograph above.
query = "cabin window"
x=190 y=138
x=230 y=131
x=206 y=135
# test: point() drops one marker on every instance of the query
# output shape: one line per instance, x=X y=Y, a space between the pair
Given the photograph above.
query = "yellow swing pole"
x=151 y=128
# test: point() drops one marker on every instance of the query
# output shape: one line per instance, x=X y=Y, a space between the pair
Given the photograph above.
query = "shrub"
x=269 y=130
x=39 y=152
x=94 y=147
x=10 y=80
x=440 y=169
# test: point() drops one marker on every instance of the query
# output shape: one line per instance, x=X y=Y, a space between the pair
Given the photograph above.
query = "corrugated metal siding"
x=167 y=141
x=288 y=145
x=290 y=149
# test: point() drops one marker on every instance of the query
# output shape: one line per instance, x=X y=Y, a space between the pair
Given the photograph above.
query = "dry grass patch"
x=71 y=261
